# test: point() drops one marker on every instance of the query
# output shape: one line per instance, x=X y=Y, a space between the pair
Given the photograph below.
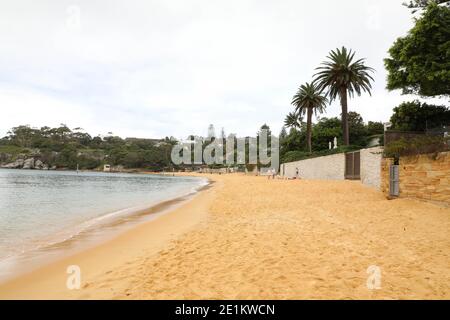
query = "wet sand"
x=253 y=238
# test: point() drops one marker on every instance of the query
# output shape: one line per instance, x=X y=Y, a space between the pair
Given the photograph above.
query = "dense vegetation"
x=293 y=144
x=341 y=77
x=417 y=116
x=419 y=145
x=62 y=147
x=419 y=63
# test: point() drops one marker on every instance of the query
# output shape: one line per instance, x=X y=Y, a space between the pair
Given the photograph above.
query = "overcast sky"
x=160 y=68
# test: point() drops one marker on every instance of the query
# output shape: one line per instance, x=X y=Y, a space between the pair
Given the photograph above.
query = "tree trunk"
x=308 y=129
x=345 y=132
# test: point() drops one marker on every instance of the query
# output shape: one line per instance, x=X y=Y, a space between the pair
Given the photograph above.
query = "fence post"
x=394 y=180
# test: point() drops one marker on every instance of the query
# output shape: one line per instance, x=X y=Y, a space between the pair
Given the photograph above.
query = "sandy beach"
x=254 y=238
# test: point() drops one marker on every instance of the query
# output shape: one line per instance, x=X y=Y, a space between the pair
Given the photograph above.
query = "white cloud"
x=159 y=68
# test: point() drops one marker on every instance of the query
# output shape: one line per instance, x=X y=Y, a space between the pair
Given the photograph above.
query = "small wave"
x=92 y=231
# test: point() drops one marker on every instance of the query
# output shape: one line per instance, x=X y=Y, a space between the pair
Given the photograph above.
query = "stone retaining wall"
x=425 y=177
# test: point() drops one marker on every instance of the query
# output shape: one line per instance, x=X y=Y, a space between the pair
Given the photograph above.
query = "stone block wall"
x=425 y=177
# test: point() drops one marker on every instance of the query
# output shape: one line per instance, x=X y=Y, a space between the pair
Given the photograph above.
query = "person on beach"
x=296 y=173
x=269 y=174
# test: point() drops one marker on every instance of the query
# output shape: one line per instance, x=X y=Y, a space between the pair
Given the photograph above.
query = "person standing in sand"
x=296 y=173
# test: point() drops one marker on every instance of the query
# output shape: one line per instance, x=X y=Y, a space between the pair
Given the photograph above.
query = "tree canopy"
x=419 y=63
x=293 y=120
x=293 y=145
x=342 y=76
x=65 y=148
x=417 y=116
x=414 y=4
x=309 y=100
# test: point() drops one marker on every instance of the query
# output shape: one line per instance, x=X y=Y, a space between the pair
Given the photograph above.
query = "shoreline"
x=132 y=171
x=253 y=238
x=93 y=236
x=49 y=281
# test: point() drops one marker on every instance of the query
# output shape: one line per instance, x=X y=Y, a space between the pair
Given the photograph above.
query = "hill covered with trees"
x=63 y=148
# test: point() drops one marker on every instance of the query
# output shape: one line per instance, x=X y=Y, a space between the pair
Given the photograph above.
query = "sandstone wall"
x=425 y=177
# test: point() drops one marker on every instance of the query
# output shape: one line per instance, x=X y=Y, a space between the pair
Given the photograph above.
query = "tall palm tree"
x=309 y=99
x=293 y=120
x=342 y=76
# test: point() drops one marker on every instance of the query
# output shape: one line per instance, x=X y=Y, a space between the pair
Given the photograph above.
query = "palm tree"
x=309 y=99
x=293 y=120
x=342 y=76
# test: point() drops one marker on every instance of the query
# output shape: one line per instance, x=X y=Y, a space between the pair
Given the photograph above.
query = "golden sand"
x=253 y=238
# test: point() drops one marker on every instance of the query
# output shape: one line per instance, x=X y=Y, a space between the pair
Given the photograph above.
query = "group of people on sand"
x=271 y=173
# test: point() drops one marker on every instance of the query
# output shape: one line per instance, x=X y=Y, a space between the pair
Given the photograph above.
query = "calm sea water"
x=39 y=209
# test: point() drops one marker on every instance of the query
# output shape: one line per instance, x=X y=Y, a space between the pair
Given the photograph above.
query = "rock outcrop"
x=38 y=164
x=14 y=165
x=29 y=163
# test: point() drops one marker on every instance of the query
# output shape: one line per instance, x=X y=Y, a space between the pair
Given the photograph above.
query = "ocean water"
x=39 y=210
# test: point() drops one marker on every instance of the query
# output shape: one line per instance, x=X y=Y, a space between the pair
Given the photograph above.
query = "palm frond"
x=340 y=72
x=293 y=120
x=309 y=96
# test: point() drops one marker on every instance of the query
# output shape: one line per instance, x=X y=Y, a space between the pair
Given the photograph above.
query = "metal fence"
x=391 y=136
x=394 y=135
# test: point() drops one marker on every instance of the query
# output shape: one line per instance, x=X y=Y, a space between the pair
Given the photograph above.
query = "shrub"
x=419 y=145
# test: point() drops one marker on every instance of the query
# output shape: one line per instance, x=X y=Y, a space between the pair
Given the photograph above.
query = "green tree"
x=358 y=130
x=324 y=132
x=419 y=63
x=118 y=155
x=343 y=77
x=67 y=158
x=310 y=100
x=415 y=4
x=283 y=133
x=22 y=136
x=294 y=141
x=417 y=116
x=293 y=120
x=133 y=159
x=374 y=128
